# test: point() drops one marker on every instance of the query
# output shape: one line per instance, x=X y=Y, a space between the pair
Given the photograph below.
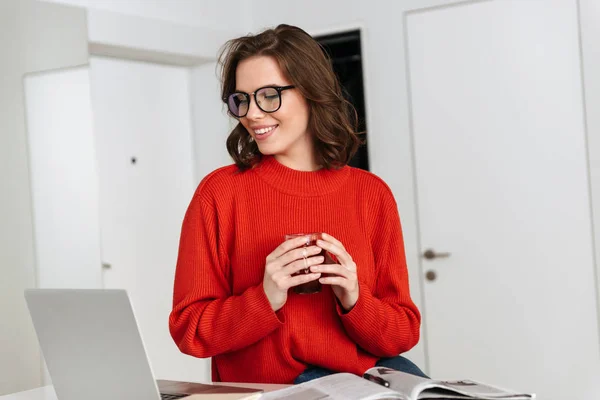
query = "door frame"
x=361 y=27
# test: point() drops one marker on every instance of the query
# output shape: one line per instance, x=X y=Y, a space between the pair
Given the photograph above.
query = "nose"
x=254 y=112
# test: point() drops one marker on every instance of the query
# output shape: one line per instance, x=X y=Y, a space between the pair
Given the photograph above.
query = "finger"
x=298 y=254
x=334 y=269
x=328 y=238
x=284 y=282
x=305 y=263
x=335 y=280
x=304 y=278
x=340 y=253
x=287 y=246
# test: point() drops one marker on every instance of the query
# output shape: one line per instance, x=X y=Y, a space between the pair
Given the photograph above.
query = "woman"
x=232 y=297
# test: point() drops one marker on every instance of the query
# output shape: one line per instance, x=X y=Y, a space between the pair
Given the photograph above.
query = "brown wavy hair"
x=332 y=120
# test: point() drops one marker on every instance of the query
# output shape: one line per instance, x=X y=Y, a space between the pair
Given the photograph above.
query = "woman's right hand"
x=287 y=259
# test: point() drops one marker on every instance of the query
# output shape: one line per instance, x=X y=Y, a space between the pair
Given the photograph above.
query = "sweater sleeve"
x=207 y=319
x=384 y=321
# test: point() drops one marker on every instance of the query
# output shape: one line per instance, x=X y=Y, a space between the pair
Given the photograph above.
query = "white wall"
x=40 y=36
x=234 y=14
x=211 y=124
x=589 y=14
x=179 y=32
x=33 y=37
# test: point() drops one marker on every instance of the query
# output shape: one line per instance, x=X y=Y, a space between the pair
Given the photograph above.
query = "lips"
x=263 y=132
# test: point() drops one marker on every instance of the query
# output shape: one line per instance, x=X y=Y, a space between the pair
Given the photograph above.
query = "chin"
x=269 y=150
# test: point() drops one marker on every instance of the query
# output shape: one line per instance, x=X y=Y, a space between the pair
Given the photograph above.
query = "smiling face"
x=282 y=133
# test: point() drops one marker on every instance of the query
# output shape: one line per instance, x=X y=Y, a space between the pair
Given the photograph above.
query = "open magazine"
x=385 y=383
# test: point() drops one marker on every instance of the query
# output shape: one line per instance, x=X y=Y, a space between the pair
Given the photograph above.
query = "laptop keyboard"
x=165 y=396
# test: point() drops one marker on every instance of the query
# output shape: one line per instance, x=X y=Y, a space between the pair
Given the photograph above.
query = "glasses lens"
x=268 y=99
x=238 y=104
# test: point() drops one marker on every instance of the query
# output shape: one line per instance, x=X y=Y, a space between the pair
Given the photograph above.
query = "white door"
x=502 y=185
x=64 y=182
x=142 y=124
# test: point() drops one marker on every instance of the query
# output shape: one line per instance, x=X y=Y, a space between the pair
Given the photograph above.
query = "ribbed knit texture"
x=235 y=220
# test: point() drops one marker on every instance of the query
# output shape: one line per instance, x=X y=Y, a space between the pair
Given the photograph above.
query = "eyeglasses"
x=267 y=98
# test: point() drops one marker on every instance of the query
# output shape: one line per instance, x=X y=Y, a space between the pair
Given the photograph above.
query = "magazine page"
x=471 y=389
x=416 y=387
x=407 y=384
x=341 y=386
x=224 y=396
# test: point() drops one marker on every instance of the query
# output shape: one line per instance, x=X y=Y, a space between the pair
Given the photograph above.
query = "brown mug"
x=311 y=240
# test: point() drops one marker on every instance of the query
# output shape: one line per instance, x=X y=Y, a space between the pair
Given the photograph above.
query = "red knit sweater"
x=235 y=220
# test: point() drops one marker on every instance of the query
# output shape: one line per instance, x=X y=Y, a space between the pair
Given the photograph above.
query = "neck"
x=303 y=163
x=300 y=158
x=300 y=183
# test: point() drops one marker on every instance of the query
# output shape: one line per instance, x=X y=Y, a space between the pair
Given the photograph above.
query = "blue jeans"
x=398 y=363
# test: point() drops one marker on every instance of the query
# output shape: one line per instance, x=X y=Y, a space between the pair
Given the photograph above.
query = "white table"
x=42 y=393
x=47 y=392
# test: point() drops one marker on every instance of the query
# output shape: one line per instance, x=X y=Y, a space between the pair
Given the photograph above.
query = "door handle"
x=430 y=254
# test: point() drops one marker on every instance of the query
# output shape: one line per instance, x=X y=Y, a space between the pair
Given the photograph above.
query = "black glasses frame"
x=247 y=95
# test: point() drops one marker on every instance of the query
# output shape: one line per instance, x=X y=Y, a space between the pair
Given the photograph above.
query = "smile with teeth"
x=264 y=130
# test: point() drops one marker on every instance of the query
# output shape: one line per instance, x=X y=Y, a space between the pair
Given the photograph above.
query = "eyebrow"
x=260 y=87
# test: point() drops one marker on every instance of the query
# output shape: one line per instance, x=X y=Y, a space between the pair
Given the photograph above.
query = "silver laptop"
x=94 y=351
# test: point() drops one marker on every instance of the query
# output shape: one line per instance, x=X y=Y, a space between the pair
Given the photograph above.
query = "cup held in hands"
x=311 y=240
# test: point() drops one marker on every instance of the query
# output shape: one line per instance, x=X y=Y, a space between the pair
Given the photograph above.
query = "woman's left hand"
x=343 y=279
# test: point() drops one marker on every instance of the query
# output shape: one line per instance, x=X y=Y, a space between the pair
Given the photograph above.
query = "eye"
x=238 y=97
x=269 y=94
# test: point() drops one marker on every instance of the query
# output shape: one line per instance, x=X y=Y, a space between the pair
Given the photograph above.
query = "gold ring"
x=304 y=253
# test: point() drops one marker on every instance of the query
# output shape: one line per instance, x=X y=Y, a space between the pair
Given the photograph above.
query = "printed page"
x=416 y=387
x=472 y=389
x=407 y=384
x=342 y=386
x=224 y=396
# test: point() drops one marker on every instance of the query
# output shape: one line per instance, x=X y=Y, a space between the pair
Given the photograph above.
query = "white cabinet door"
x=502 y=185
x=142 y=125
